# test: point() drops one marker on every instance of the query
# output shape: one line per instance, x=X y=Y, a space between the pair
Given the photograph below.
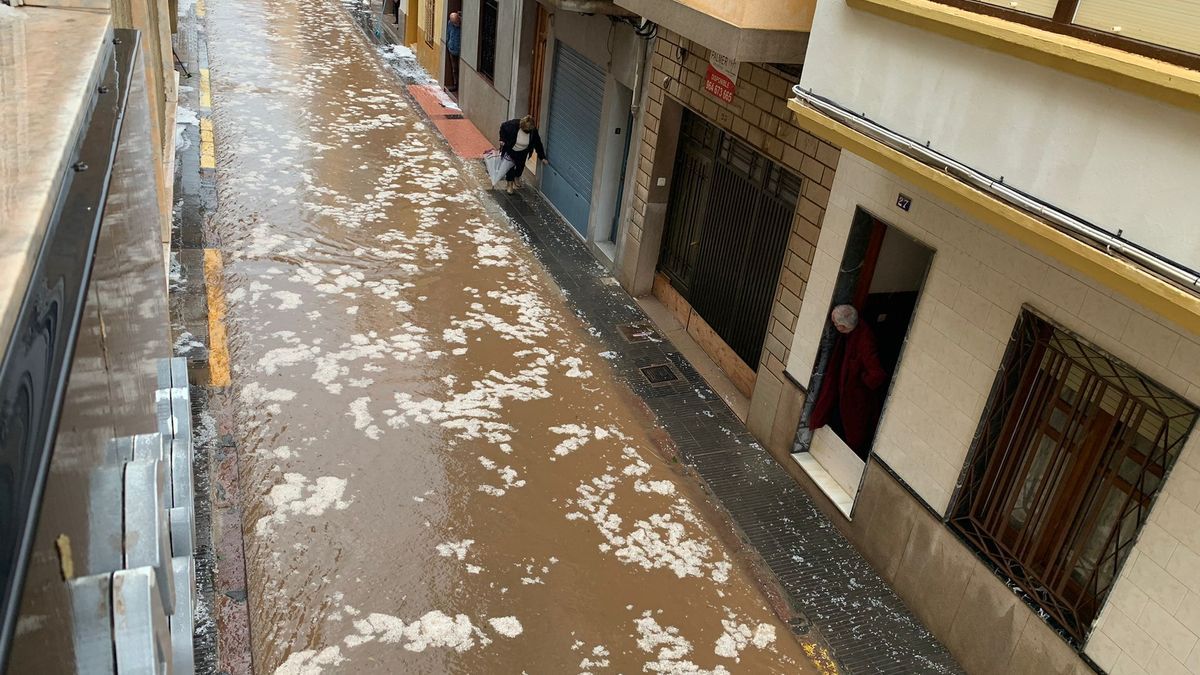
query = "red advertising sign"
x=721 y=79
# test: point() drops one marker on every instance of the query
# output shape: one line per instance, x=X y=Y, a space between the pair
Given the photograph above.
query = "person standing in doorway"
x=851 y=391
x=518 y=138
x=453 y=48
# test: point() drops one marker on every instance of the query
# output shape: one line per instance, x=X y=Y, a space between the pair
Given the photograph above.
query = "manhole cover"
x=659 y=374
x=637 y=332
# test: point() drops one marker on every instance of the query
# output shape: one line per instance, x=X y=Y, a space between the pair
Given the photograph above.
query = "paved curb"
x=222 y=635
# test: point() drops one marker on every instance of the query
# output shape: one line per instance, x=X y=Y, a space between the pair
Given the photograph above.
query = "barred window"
x=489 y=15
x=1072 y=451
x=430 y=16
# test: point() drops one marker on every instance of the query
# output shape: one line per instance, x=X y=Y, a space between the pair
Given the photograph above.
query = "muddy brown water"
x=441 y=472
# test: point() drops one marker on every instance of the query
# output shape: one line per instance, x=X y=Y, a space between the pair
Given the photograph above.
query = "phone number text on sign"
x=719 y=85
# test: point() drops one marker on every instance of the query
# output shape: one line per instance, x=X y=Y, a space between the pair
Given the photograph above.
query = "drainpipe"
x=513 y=78
x=1080 y=229
x=646 y=30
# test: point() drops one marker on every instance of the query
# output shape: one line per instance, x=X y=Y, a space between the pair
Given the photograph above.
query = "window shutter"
x=1169 y=23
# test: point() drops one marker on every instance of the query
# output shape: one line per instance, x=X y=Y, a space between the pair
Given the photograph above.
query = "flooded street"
x=441 y=473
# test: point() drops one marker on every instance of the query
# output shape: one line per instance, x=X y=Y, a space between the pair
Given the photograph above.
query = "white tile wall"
x=977 y=284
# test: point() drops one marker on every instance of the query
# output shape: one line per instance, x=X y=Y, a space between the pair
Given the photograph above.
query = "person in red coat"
x=851 y=395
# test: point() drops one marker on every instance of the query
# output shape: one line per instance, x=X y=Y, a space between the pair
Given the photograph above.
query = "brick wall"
x=976 y=286
x=760 y=116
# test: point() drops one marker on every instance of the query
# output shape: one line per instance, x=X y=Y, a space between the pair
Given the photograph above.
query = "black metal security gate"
x=728 y=220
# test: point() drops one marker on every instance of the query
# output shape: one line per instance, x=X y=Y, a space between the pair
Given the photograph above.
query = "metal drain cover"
x=659 y=374
x=638 y=332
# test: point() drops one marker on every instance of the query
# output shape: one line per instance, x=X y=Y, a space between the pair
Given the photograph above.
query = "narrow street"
x=440 y=472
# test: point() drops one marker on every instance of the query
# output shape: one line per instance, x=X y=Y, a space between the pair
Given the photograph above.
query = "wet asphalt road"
x=441 y=473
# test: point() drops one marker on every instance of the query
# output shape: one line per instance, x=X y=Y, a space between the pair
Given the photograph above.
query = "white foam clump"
x=508 y=626
x=297 y=496
x=457 y=549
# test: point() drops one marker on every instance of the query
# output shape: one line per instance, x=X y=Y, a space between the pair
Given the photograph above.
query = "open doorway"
x=874 y=299
x=453 y=72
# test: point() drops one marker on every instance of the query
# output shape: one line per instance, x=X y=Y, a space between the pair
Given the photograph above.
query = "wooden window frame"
x=1061 y=23
x=1032 y=493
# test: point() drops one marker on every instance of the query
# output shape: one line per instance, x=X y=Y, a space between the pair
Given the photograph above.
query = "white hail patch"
x=508 y=626
x=298 y=496
x=660 y=541
x=738 y=636
x=311 y=661
x=668 y=649
x=363 y=421
x=662 y=487
x=579 y=436
x=598 y=659
x=256 y=396
x=287 y=300
x=435 y=629
x=456 y=549
x=575 y=368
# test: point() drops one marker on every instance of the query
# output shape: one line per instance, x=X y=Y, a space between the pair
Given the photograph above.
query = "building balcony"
x=775 y=32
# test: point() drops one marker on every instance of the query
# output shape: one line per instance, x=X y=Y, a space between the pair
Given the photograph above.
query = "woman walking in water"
x=518 y=138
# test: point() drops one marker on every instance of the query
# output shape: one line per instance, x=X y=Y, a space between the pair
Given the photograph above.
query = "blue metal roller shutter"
x=576 y=95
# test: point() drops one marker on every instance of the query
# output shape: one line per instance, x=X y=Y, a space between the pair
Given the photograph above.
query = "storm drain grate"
x=454 y=116
x=659 y=374
x=637 y=332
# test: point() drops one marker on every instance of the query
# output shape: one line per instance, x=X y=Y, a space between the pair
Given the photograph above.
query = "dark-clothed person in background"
x=851 y=391
x=454 y=47
x=518 y=138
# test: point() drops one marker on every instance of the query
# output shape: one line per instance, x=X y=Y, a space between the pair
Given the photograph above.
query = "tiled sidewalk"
x=836 y=591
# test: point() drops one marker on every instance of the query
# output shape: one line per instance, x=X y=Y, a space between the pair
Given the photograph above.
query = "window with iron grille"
x=430 y=15
x=1071 y=453
x=489 y=14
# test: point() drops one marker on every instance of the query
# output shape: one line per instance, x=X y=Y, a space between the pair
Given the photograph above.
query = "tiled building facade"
x=758 y=115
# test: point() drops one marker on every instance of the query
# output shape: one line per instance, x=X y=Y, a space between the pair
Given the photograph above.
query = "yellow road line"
x=205 y=89
x=200 y=8
x=218 y=347
x=208 y=154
